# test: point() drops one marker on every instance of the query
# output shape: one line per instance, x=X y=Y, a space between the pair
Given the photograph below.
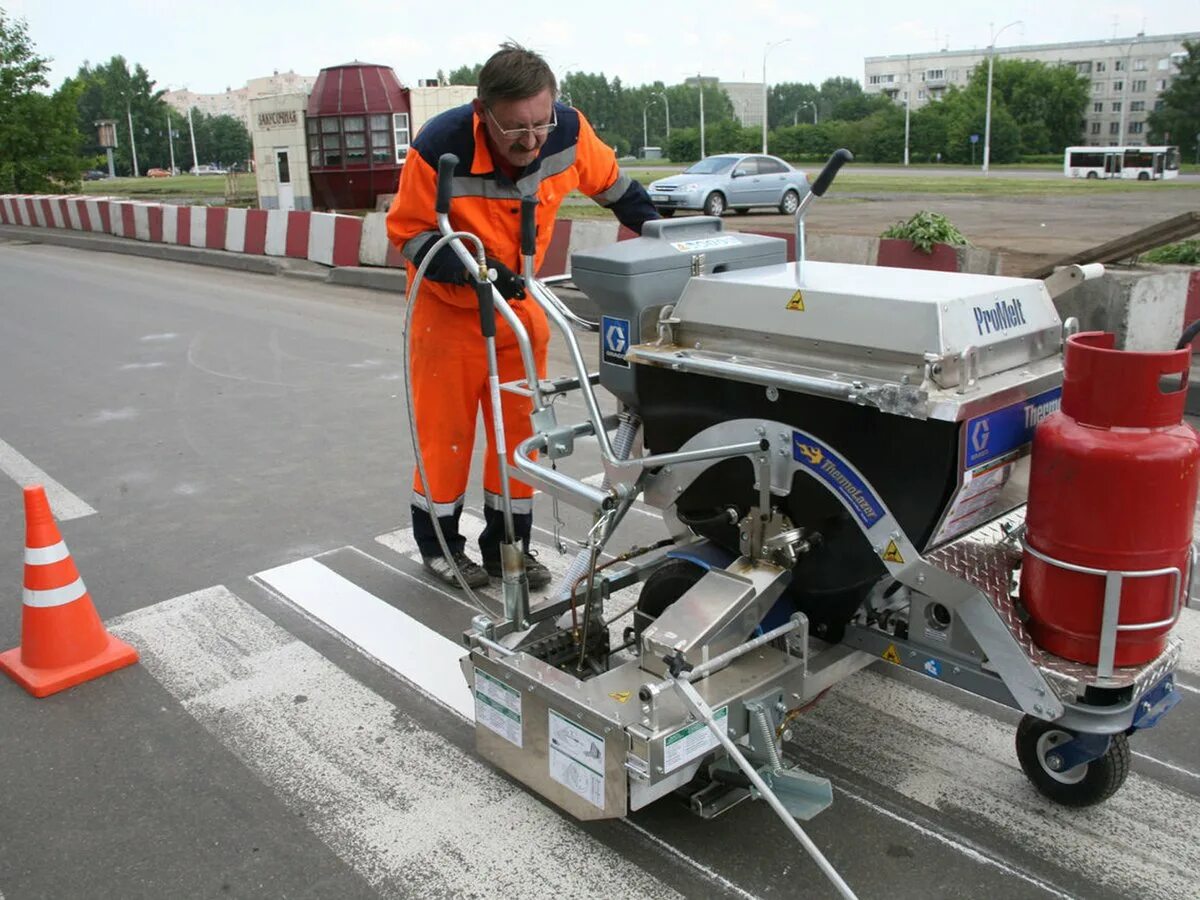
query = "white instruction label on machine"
x=974 y=504
x=498 y=707
x=577 y=759
x=712 y=243
x=692 y=741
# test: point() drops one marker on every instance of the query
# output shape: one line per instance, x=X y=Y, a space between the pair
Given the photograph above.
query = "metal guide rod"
x=701 y=711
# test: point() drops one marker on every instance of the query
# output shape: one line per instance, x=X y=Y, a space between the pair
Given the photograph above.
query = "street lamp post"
x=700 y=85
x=800 y=107
x=171 y=141
x=667 y=106
x=907 y=103
x=987 y=120
x=192 y=133
x=767 y=50
x=132 y=143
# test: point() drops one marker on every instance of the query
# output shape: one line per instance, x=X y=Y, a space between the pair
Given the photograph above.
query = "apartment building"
x=1127 y=77
x=237 y=102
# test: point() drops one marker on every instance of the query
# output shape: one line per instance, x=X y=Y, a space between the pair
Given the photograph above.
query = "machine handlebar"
x=529 y=204
x=836 y=161
x=445 y=181
x=487 y=308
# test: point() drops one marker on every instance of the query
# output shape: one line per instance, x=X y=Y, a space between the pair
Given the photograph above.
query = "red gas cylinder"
x=1112 y=487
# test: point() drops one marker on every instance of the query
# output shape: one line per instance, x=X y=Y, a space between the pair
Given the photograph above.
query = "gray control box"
x=631 y=281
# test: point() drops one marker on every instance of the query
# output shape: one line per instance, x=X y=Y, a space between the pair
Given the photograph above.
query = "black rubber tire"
x=789 y=202
x=714 y=204
x=665 y=212
x=1092 y=175
x=1143 y=176
x=1098 y=780
x=666 y=584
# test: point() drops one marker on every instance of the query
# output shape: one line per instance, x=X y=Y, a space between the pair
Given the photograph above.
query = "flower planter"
x=901 y=254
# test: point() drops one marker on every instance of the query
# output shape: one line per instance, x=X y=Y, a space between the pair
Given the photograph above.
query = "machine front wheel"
x=1085 y=784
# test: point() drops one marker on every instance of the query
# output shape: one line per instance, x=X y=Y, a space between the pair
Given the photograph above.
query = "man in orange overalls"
x=513 y=140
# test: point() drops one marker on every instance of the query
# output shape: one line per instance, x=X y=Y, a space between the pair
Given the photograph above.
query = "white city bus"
x=1142 y=163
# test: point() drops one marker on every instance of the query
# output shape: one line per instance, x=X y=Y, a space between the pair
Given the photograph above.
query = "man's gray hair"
x=514 y=73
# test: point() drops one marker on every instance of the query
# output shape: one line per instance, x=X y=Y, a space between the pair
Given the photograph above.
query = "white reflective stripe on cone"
x=43 y=556
x=56 y=596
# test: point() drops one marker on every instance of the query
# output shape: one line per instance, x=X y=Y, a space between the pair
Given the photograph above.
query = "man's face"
x=518 y=150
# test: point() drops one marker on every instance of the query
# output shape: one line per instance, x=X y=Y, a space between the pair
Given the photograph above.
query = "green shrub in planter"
x=926 y=229
x=1184 y=253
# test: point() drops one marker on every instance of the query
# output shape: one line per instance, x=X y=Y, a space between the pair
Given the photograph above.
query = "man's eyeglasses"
x=536 y=131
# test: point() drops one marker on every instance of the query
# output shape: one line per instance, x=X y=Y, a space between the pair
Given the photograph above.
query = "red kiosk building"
x=358 y=127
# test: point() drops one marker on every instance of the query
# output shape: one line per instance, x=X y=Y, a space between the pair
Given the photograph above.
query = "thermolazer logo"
x=827 y=466
x=1004 y=315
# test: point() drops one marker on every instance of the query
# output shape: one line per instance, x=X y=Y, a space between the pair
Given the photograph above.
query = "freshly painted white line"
x=1187 y=687
x=415 y=652
x=1162 y=762
x=402 y=806
x=63 y=503
x=403 y=542
x=1144 y=841
x=962 y=847
x=675 y=854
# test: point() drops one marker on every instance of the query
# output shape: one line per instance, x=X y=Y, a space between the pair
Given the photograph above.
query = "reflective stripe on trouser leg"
x=426 y=537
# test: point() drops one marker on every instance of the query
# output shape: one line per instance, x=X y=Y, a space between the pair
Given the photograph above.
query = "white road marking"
x=403 y=542
x=962 y=847
x=63 y=503
x=415 y=652
x=129 y=367
x=165 y=336
x=397 y=802
x=1144 y=841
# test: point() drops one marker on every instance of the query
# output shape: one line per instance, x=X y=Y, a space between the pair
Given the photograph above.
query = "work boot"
x=536 y=574
x=472 y=572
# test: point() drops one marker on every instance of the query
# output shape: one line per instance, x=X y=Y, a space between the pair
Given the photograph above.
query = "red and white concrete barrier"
x=333 y=239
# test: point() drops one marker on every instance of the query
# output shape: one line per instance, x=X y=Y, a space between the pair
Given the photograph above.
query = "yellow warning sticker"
x=892 y=554
x=891 y=655
x=797 y=301
x=621 y=696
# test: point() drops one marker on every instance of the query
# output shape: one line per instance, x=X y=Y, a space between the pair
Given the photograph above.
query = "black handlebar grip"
x=445 y=182
x=839 y=159
x=529 y=205
x=487 y=308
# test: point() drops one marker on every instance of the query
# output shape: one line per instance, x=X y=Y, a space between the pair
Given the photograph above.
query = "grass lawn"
x=179 y=186
x=914 y=181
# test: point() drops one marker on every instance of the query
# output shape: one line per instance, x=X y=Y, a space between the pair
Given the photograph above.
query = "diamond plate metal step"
x=987 y=558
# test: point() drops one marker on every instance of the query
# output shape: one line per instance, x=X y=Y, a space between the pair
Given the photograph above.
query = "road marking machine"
x=841 y=458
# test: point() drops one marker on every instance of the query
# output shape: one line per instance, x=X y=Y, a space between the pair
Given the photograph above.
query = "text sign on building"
x=278 y=119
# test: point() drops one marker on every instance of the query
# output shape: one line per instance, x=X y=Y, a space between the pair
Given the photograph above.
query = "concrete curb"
x=171 y=252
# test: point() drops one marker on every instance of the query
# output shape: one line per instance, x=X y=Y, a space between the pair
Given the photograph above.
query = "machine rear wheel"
x=666 y=584
x=1085 y=784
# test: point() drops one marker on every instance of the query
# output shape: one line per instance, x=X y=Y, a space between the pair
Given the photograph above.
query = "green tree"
x=113 y=90
x=1047 y=102
x=791 y=103
x=220 y=140
x=1178 y=121
x=465 y=75
x=39 y=141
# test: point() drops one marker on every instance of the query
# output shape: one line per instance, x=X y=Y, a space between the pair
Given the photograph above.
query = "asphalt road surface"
x=228 y=452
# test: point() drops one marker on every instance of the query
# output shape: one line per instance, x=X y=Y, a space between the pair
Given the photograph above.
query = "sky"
x=210 y=45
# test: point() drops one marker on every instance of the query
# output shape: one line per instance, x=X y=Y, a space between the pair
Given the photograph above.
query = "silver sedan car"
x=737 y=181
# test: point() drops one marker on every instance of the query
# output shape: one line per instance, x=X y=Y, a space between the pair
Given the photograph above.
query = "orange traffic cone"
x=63 y=641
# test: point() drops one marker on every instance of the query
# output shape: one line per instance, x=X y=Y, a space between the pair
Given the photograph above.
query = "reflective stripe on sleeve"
x=614 y=192
x=412 y=248
x=56 y=597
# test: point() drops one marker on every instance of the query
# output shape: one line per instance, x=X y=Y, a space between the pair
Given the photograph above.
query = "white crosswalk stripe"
x=1188 y=630
x=406 y=809
x=1144 y=841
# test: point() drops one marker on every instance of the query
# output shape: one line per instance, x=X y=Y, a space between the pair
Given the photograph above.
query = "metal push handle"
x=832 y=167
x=529 y=205
x=445 y=182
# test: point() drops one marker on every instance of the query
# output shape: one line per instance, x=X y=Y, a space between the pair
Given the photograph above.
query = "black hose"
x=1188 y=334
x=726 y=516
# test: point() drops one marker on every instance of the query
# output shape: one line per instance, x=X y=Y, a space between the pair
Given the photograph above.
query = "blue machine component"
x=1155 y=703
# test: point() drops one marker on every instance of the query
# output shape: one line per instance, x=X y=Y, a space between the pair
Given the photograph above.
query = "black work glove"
x=510 y=285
